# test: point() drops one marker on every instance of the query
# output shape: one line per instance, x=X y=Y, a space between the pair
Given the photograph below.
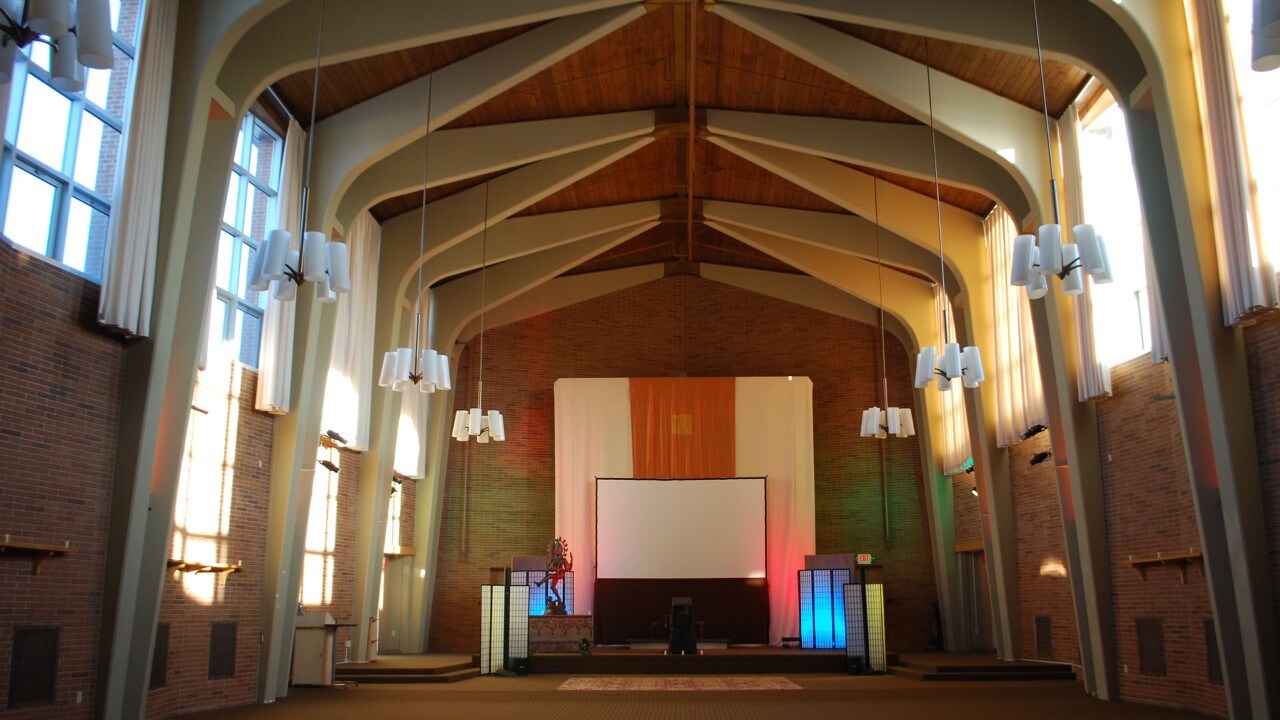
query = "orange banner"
x=682 y=427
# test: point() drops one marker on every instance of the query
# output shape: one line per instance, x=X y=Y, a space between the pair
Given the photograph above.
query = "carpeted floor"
x=821 y=697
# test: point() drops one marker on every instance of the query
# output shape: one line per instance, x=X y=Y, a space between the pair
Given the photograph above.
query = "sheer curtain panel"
x=955 y=429
x=1093 y=377
x=128 y=280
x=275 y=361
x=346 y=397
x=1247 y=276
x=1019 y=396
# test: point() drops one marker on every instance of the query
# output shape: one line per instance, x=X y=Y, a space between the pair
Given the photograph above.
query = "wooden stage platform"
x=731 y=660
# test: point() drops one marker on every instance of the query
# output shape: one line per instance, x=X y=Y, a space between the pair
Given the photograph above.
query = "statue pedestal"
x=559 y=633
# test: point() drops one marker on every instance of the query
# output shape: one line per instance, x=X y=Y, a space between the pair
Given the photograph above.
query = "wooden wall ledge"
x=199 y=567
x=36 y=553
x=1178 y=559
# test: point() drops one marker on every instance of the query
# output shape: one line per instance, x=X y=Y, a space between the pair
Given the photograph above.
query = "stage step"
x=374 y=674
x=930 y=670
x=710 y=663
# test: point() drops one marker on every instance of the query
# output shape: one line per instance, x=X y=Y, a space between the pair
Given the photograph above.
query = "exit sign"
x=864 y=558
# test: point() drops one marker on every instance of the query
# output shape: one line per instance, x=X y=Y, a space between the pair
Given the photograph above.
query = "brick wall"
x=1043 y=585
x=1262 y=344
x=1149 y=509
x=408 y=511
x=966 y=508
x=220 y=516
x=59 y=407
x=499 y=498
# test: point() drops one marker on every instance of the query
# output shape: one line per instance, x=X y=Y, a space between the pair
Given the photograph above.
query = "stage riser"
x=687 y=664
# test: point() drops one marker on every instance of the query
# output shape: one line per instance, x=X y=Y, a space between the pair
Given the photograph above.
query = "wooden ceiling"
x=643 y=66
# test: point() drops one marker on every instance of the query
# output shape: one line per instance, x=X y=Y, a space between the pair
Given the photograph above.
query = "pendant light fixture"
x=78 y=38
x=1034 y=262
x=952 y=362
x=324 y=263
x=406 y=367
x=894 y=421
x=476 y=423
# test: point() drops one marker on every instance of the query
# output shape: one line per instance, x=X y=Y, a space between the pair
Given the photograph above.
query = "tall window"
x=1120 y=318
x=1260 y=115
x=61 y=150
x=235 y=322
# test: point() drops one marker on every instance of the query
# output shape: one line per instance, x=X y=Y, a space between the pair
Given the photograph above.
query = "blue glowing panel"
x=822 y=622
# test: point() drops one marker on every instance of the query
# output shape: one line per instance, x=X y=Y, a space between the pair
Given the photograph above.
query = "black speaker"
x=855 y=666
x=520 y=666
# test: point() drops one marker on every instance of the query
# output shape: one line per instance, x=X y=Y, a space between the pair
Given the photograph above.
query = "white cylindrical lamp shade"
x=1073 y=283
x=484 y=435
x=315 y=258
x=93 y=25
x=324 y=291
x=1050 y=248
x=1024 y=248
x=893 y=421
x=277 y=252
x=951 y=364
x=473 y=421
x=973 y=373
x=443 y=380
x=460 y=425
x=924 y=365
x=49 y=17
x=880 y=423
x=339 y=267
x=1102 y=275
x=1039 y=286
x=1087 y=244
x=284 y=290
x=388 y=374
x=404 y=366
x=497 y=426
x=65 y=68
x=908 y=424
x=430 y=365
x=258 y=280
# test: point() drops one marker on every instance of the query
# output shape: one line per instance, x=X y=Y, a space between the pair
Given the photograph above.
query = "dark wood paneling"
x=726 y=609
x=222 y=650
x=33 y=665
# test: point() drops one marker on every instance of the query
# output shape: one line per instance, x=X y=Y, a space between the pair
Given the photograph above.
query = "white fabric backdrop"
x=350 y=382
x=133 y=230
x=774 y=437
x=1016 y=363
x=275 y=360
x=593 y=439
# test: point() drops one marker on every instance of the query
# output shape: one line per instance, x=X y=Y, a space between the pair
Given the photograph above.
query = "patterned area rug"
x=679 y=683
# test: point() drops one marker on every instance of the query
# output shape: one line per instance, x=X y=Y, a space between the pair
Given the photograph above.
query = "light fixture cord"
x=884 y=372
x=1044 y=99
x=484 y=248
x=422 y=229
x=311 y=140
x=937 y=189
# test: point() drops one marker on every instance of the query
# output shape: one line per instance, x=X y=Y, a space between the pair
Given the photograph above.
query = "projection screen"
x=712 y=528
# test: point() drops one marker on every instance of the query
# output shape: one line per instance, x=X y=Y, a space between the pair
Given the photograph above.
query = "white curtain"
x=350 y=382
x=411 y=434
x=1246 y=274
x=1019 y=395
x=773 y=431
x=1093 y=377
x=955 y=429
x=128 y=279
x=275 y=359
x=593 y=439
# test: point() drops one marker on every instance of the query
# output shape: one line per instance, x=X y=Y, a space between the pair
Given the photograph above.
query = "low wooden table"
x=559 y=633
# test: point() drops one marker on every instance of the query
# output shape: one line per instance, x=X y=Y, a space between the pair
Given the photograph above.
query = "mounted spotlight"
x=974 y=492
x=1040 y=457
x=1033 y=431
x=329 y=466
x=335 y=436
